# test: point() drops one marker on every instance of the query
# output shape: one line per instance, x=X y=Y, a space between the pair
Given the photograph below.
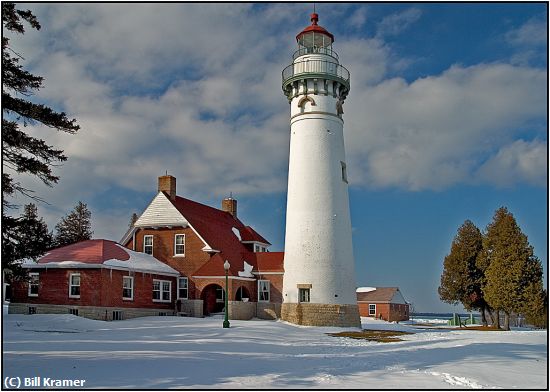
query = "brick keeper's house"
x=184 y=245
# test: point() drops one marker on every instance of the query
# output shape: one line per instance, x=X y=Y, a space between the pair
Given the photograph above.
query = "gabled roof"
x=221 y=231
x=101 y=254
x=380 y=294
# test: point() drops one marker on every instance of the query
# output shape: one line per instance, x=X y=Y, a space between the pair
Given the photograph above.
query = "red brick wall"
x=98 y=287
x=276 y=286
x=163 y=249
x=389 y=312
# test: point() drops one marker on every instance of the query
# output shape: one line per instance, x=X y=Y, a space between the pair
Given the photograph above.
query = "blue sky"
x=446 y=119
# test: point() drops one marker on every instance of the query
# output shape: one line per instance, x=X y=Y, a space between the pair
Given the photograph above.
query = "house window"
x=128 y=287
x=73 y=311
x=162 y=290
x=220 y=294
x=117 y=315
x=344 y=172
x=263 y=290
x=148 y=244
x=32 y=309
x=179 y=245
x=303 y=295
x=74 y=286
x=182 y=288
x=33 y=284
x=372 y=309
x=259 y=248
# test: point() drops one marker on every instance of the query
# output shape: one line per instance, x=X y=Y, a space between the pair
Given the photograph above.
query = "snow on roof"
x=365 y=289
x=142 y=262
x=100 y=253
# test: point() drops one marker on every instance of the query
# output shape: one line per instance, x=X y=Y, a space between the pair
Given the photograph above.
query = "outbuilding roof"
x=101 y=253
x=380 y=294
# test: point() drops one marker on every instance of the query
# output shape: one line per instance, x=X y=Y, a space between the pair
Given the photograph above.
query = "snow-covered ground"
x=172 y=352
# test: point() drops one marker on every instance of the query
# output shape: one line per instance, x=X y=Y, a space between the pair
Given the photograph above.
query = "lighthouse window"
x=303 y=295
x=344 y=172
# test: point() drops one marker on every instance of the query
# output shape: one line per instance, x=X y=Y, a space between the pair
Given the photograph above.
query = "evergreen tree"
x=461 y=278
x=513 y=272
x=22 y=153
x=75 y=226
x=536 y=306
x=27 y=238
x=34 y=238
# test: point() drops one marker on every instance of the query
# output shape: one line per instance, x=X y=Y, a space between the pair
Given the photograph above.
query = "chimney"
x=230 y=205
x=167 y=184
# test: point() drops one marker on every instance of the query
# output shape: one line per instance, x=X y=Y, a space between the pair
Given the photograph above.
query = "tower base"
x=321 y=315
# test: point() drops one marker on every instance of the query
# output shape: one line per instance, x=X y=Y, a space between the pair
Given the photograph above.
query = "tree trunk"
x=506 y=321
x=488 y=313
x=483 y=318
x=496 y=319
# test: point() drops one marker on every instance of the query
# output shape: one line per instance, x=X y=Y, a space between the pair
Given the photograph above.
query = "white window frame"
x=32 y=283
x=131 y=288
x=71 y=285
x=305 y=300
x=268 y=291
x=186 y=287
x=152 y=243
x=176 y=254
x=372 y=313
x=222 y=299
x=162 y=290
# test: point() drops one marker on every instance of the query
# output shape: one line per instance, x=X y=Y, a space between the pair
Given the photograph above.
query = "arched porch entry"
x=242 y=292
x=212 y=299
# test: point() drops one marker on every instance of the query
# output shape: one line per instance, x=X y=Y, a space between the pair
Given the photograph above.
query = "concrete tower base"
x=321 y=315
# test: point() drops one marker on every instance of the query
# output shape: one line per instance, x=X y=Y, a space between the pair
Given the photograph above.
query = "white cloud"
x=534 y=32
x=520 y=160
x=195 y=89
x=435 y=131
x=396 y=23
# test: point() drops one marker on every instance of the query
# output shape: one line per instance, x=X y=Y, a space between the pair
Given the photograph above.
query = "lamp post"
x=226 y=268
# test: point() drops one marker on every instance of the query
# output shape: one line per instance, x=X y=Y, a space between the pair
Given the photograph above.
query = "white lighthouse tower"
x=319 y=280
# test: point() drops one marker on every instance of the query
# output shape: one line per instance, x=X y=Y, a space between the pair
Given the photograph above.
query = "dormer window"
x=259 y=248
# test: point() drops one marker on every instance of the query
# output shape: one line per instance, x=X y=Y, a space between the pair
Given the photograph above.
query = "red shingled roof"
x=216 y=228
x=381 y=294
x=90 y=252
x=269 y=262
x=249 y=234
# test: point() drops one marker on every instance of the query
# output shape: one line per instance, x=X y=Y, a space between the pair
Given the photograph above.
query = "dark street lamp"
x=226 y=268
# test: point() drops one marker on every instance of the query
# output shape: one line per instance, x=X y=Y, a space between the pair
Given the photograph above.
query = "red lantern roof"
x=315 y=28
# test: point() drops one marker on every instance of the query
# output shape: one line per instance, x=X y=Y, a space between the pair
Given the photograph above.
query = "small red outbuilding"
x=386 y=303
x=98 y=279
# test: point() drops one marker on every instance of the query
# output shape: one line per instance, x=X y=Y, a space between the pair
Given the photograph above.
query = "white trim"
x=375 y=310
x=257 y=242
x=71 y=285
x=131 y=288
x=223 y=277
x=161 y=291
x=376 y=302
x=95 y=266
x=29 y=294
x=267 y=273
x=176 y=254
x=268 y=290
x=187 y=288
x=152 y=243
